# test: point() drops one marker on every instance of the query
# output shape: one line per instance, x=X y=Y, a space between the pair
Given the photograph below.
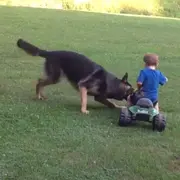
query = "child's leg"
x=129 y=103
x=132 y=99
x=156 y=106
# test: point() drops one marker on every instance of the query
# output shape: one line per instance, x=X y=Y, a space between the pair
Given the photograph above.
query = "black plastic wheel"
x=125 y=118
x=159 y=122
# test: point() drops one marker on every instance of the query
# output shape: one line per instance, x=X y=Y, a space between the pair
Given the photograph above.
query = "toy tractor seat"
x=144 y=103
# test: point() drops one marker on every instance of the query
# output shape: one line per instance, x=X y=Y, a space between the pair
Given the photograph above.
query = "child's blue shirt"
x=151 y=79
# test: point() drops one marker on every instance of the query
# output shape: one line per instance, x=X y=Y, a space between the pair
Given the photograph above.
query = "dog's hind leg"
x=105 y=101
x=53 y=75
x=40 y=86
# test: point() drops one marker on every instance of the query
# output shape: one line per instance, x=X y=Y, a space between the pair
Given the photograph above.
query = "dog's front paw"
x=43 y=97
x=84 y=111
x=40 y=97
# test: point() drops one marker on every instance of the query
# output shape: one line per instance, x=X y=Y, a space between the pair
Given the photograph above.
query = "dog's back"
x=74 y=65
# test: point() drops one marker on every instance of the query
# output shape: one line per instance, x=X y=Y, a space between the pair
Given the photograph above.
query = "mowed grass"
x=51 y=139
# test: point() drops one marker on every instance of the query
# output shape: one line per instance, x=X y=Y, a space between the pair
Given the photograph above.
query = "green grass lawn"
x=51 y=139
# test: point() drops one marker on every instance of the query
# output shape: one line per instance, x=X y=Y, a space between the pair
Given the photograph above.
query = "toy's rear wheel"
x=125 y=118
x=159 y=122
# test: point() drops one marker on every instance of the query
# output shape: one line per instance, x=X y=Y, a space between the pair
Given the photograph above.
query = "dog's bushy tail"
x=30 y=49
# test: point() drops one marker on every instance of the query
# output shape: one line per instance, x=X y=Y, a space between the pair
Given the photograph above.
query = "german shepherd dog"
x=84 y=74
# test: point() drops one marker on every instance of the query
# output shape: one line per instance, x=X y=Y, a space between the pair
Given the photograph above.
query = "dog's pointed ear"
x=125 y=77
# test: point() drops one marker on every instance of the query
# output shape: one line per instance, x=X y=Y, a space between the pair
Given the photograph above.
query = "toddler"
x=149 y=80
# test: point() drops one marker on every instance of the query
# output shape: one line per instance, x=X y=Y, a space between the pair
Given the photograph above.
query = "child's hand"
x=166 y=79
x=162 y=79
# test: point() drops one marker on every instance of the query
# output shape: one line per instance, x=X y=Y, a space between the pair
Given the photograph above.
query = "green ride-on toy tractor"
x=143 y=110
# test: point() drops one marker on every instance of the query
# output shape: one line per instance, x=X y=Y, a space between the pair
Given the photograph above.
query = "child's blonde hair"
x=151 y=59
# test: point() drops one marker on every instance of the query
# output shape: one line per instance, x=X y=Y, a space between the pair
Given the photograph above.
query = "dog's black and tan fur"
x=85 y=75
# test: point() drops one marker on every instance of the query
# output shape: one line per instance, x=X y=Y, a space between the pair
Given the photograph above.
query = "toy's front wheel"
x=159 y=122
x=125 y=118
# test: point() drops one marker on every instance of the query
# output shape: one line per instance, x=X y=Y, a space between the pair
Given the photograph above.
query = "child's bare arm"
x=140 y=80
x=162 y=79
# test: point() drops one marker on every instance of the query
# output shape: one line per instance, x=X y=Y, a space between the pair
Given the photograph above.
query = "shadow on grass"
x=104 y=114
x=112 y=114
